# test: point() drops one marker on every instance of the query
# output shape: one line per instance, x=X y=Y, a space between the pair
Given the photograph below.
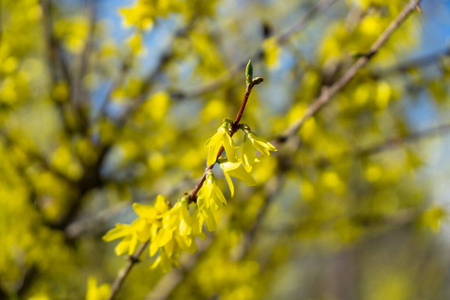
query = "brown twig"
x=386 y=145
x=419 y=62
x=328 y=93
x=192 y=196
x=398 y=141
x=133 y=259
x=234 y=129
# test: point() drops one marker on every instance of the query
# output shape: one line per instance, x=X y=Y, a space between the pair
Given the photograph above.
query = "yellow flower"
x=219 y=139
x=129 y=235
x=236 y=170
x=210 y=194
x=165 y=261
x=176 y=234
x=141 y=230
x=208 y=217
x=197 y=224
x=97 y=293
x=252 y=142
x=176 y=225
x=248 y=156
x=260 y=144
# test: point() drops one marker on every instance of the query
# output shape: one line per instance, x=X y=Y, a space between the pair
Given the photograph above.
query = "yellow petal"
x=183 y=241
x=161 y=205
x=145 y=211
x=230 y=182
x=230 y=148
x=123 y=246
x=119 y=231
x=248 y=155
x=163 y=237
x=209 y=219
x=193 y=248
x=197 y=222
x=241 y=174
x=166 y=263
x=153 y=249
x=156 y=263
x=264 y=151
x=185 y=213
x=133 y=245
x=228 y=166
x=169 y=247
x=213 y=144
x=219 y=194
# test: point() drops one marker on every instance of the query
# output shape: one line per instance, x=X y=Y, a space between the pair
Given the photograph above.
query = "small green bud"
x=249 y=72
x=244 y=127
x=257 y=80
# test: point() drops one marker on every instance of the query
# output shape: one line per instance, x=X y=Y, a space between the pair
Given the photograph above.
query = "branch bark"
x=133 y=259
x=327 y=93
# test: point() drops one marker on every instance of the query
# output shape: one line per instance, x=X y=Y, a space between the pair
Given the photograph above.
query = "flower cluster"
x=172 y=230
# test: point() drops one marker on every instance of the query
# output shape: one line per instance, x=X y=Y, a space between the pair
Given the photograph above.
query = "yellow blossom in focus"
x=219 y=139
x=236 y=170
x=251 y=142
x=210 y=195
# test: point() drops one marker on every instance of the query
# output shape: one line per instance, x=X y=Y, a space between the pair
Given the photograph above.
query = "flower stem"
x=234 y=129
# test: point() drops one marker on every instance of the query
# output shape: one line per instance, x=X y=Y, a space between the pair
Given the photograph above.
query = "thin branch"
x=133 y=259
x=143 y=96
x=281 y=39
x=387 y=145
x=391 y=143
x=79 y=91
x=54 y=51
x=328 y=93
x=118 y=81
x=193 y=194
x=419 y=62
x=55 y=57
x=147 y=83
x=234 y=129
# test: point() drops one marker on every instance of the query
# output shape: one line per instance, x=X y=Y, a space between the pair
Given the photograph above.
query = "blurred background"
x=105 y=102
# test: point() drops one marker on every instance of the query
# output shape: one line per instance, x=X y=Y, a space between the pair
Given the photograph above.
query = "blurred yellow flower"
x=95 y=292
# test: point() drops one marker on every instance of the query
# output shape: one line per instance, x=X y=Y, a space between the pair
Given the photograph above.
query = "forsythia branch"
x=133 y=259
x=234 y=128
x=172 y=229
